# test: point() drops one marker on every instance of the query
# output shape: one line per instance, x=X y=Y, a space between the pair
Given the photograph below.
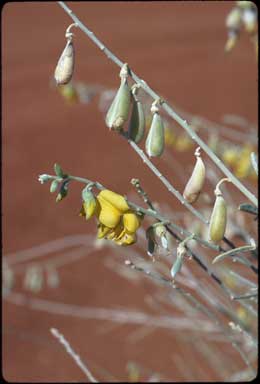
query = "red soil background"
x=177 y=47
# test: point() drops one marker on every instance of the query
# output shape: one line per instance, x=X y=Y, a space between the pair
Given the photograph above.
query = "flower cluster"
x=116 y=221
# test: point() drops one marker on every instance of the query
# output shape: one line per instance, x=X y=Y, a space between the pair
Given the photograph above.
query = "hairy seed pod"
x=89 y=203
x=131 y=222
x=64 y=69
x=154 y=144
x=118 y=201
x=218 y=219
x=196 y=182
x=136 y=126
x=118 y=112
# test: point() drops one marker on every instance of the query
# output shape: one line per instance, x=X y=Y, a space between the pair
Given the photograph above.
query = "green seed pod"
x=179 y=260
x=160 y=231
x=136 y=127
x=89 y=203
x=154 y=144
x=196 y=181
x=64 y=69
x=218 y=219
x=118 y=112
x=54 y=186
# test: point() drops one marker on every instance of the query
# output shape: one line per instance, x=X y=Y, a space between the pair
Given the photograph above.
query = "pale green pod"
x=154 y=144
x=196 y=182
x=136 y=127
x=176 y=266
x=118 y=112
x=218 y=220
x=64 y=69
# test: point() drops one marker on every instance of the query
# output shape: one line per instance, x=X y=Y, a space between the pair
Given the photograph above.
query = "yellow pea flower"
x=116 y=221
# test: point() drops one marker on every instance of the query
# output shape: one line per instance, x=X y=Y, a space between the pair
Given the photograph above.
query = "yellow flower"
x=116 y=221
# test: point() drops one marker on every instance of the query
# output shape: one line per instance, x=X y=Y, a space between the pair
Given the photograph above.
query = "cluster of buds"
x=116 y=221
x=244 y=14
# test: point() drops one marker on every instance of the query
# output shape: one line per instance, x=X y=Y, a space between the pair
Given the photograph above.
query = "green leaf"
x=58 y=170
x=248 y=208
x=54 y=186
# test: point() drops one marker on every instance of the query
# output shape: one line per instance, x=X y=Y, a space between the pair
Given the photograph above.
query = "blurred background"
x=56 y=274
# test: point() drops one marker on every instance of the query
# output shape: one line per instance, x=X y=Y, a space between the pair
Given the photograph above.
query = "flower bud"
x=218 y=219
x=89 y=203
x=136 y=126
x=196 y=181
x=118 y=112
x=64 y=69
x=154 y=144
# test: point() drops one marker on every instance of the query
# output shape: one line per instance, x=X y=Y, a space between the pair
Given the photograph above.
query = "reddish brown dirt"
x=177 y=47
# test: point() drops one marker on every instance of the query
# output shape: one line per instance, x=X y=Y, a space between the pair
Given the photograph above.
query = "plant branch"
x=74 y=356
x=165 y=106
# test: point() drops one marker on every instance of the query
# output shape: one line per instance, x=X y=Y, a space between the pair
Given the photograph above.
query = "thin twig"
x=165 y=106
x=74 y=356
x=194 y=302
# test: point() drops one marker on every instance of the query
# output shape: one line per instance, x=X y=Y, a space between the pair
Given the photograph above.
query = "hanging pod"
x=117 y=113
x=136 y=127
x=196 y=181
x=64 y=69
x=218 y=219
x=154 y=144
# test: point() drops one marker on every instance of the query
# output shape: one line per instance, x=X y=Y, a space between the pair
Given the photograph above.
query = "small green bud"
x=54 y=186
x=89 y=203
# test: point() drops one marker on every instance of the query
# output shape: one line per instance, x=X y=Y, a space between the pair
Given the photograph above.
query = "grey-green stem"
x=165 y=106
